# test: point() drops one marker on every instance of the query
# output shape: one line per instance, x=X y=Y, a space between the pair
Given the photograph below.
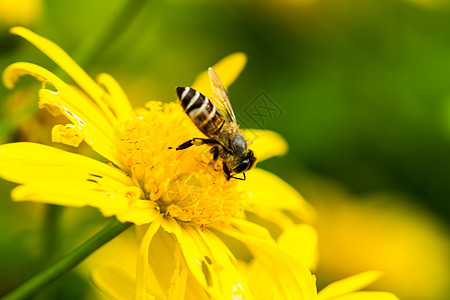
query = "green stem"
x=50 y=229
x=43 y=279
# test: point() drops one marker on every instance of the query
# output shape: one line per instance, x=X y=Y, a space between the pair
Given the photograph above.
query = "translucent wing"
x=220 y=97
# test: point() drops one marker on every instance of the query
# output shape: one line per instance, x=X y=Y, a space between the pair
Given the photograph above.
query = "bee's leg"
x=226 y=171
x=197 y=142
x=215 y=151
x=185 y=145
x=228 y=174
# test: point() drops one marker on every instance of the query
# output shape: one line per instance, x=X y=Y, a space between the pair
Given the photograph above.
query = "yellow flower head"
x=183 y=205
x=181 y=183
x=174 y=195
x=150 y=178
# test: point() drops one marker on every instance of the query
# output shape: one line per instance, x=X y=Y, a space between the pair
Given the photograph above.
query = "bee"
x=215 y=118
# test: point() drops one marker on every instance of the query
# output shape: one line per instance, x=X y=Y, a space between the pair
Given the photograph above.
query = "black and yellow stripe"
x=201 y=110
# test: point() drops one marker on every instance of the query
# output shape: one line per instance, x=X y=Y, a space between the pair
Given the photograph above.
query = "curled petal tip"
x=18 y=30
x=241 y=56
x=9 y=80
x=237 y=59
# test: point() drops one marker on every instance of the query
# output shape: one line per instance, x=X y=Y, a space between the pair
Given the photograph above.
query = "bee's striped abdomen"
x=201 y=110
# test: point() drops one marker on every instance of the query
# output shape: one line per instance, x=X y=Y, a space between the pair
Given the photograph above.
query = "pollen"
x=185 y=184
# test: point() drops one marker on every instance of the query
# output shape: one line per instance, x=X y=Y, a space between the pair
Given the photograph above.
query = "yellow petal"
x=265 y=143
x=367 y=296
x=195 y=290
x=349 y=284
x=114 y=274
x=110 y=202
x=142 y=271
x=55 y=176
x=301 y=242
x=228 y=69
x=165 y=260
x=268 y=192
x=153 y=276
x=137 y=211
x=68 y=194
x=230 y=276
x=288 y=279
x=115 y=281
x=178 y=283
x=168 y=274
x=211 y=263
x=32 y=162
x=118 y=101
x=61 y=58
x=257 y=280
x=99 y=133
x=96 y=133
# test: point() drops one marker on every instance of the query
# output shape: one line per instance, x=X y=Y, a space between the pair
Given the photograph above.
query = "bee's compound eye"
x=243 y=165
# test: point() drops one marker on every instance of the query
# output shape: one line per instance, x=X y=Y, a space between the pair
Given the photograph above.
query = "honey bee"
x=215 y=118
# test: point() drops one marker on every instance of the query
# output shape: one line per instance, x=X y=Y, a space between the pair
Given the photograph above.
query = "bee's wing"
x=220 y=97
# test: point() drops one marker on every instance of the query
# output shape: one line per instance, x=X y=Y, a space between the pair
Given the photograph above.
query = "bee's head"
x=246 y=163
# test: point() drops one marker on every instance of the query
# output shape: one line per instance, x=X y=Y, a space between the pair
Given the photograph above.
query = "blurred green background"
x=360 y=90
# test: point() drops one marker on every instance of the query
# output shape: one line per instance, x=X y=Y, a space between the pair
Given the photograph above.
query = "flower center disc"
x=185 y=184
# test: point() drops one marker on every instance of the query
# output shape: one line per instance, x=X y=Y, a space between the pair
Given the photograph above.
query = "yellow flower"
x=300 y=242
x=183 y=207
x=19 y=12
x=385 y=231
x=180 y=202
x=116 y=277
